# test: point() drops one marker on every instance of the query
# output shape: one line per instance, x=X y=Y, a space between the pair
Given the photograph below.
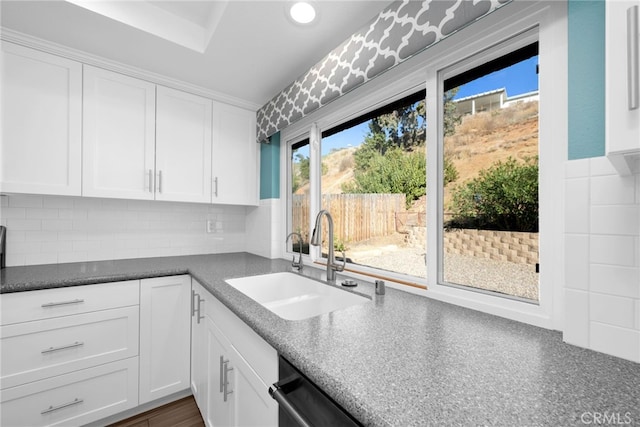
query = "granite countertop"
x=402 y=359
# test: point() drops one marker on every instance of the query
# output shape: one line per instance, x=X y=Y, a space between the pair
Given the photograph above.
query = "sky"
x=517 y=79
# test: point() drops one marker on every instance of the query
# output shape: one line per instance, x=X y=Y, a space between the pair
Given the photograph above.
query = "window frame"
x=493 y=36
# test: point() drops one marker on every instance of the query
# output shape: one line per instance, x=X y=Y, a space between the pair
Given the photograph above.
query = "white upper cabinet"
x=623 y=93
x=183 y=146
x=235 y=155
x=41 y=122
x=118 y=136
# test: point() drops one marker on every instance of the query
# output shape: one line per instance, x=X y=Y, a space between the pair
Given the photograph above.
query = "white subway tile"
x=72 y=214
x=576 y=261
x=614 y=250
x=13 y=213
x=612 y=310
x=57 y=224
x=612 y=190
x=41 y=236
x=615 y=280
x=620 y=219
x=24 y=248
x=4 y=201
x=573 y=169
x=72 y=257
x=24 y=224
x=72 y=235
x=56 y=247
x=13 y=259
x=57 y=202
x=41 y=213
x=25 y=201
x=86 y=246
x=86 y=203
x=601 y=166
x=637 y=325
x=576 y=324
x=577 y=205
x=15 y=236
x=614 y=340
x=41 y=258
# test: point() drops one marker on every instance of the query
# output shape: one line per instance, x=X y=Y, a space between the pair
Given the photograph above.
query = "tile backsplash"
x=602 y=258
x=59 y=229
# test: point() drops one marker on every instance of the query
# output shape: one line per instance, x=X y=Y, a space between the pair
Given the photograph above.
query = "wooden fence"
x=356 y=217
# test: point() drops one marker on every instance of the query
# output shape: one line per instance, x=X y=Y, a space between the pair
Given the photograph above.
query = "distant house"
x=492 y=100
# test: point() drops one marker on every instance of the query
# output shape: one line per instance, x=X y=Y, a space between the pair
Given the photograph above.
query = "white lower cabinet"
x=164 y=336
x=73 y=399
x=232 y=383
x=75 y=361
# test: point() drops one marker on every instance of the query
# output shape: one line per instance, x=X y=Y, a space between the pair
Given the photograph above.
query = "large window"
x=300 y=186
x=373 y=181
x=490 y=185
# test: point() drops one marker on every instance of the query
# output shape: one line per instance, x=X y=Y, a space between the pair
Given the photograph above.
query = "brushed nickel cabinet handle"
x=215 y=186
x=64 y=405
x=226 y=392
x=159 y=181
x=56 y=304
x=222 y=362
x=62 y=347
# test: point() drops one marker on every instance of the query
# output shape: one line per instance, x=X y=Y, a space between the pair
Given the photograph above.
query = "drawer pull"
x=62 y=347
x=55 y=304
x=64 y=405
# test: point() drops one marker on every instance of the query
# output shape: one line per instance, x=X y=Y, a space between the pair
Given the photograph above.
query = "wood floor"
x=181 y=413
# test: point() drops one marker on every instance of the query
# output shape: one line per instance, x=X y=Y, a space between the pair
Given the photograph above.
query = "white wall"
x=602 y=258
x=57 y=229
x=264 y=228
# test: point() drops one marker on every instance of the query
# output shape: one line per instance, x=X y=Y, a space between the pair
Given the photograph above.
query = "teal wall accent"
x=270 y=168
x=586 y=78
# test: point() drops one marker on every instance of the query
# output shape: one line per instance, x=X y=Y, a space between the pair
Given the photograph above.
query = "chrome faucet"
x=316 y=240
x=296 y=264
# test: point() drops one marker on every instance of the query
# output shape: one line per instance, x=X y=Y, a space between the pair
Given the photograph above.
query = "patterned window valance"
x=400 y=31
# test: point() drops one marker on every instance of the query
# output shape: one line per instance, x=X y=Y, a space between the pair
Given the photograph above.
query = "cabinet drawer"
x=256 y=351
x=73 y=399
x=45 y=304
x=35 y=350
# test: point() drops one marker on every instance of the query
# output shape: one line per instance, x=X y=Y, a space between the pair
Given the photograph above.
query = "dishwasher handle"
x=278 y=391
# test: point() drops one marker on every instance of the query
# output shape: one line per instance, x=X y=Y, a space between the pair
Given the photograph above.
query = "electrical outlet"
x=210 y=226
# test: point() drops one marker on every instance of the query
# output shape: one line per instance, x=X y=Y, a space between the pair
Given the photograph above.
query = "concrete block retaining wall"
x=511 y=246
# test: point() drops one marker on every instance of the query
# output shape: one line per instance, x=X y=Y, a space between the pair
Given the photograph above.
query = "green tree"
x=451 y=118
x=502 y=197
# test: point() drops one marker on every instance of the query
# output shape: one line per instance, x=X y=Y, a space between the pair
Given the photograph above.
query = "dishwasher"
x=302 y=403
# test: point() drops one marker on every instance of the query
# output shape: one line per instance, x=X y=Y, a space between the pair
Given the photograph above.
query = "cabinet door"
x=165 y=330
x=118 y=135
x=235 y=155
x=198 y=347
x=251 y=404
x=183 y=147
x=623 y=124
x=41 y=122
x=220 y=409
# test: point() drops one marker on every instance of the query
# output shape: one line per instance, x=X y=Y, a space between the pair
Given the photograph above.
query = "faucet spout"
x=316 y=240
x=296 y=264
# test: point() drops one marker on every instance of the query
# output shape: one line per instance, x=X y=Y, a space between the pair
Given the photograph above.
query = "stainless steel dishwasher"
x=302 y=403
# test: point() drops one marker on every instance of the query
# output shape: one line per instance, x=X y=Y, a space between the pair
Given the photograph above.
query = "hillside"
x=480 y=140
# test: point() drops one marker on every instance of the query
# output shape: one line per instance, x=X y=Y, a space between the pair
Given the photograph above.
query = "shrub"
x=503 y=197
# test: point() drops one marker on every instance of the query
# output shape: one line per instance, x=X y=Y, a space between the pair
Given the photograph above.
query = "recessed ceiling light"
x=302 y=12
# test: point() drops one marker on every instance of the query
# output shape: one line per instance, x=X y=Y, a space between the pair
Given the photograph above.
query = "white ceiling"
x=245 y=49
